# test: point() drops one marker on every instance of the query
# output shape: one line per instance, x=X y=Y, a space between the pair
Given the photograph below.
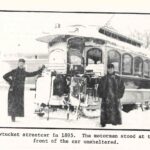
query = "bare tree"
x=143 y=37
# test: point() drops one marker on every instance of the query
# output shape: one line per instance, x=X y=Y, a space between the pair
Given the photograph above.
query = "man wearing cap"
x=16 y=80
x=110 y=89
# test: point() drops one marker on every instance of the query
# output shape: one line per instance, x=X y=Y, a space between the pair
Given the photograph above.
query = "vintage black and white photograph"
x=75 y=70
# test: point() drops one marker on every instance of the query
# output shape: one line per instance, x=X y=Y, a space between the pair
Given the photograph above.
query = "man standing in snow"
x=16 y=79
x=110 y=89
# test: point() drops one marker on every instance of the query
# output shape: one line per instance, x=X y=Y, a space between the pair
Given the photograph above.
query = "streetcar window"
x=138 y=66
x=75 y=47
x=76 y=43
x=94 y=56
x=146 y=68
x=57 y=56
x=149 y=67
x=74 y=56
x=127 y=62
x=114 y=58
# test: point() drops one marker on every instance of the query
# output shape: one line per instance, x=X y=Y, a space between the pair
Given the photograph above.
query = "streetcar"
x=78 y=58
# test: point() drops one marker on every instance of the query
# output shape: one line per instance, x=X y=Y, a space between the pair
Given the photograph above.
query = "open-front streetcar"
x=78 y=58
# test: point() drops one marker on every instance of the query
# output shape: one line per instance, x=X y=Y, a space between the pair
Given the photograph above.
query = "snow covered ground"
x=135 y=119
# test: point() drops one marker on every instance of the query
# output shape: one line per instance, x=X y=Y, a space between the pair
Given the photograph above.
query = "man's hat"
x=21 y=60
x=110 y=66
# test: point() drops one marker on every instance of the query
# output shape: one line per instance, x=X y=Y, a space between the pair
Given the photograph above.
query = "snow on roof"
x=93 y=32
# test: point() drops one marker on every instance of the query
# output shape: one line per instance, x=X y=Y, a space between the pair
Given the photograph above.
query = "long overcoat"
x=16 y=80
x=111 y=89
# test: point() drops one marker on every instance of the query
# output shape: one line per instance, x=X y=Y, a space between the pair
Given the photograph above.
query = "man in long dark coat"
x=16 y=79
x=111 y=89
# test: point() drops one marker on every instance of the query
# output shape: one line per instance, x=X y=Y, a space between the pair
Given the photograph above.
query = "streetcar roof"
x=91 y=32
x=113 y=31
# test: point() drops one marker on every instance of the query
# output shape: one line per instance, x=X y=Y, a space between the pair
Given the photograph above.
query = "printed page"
x=74 y=75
